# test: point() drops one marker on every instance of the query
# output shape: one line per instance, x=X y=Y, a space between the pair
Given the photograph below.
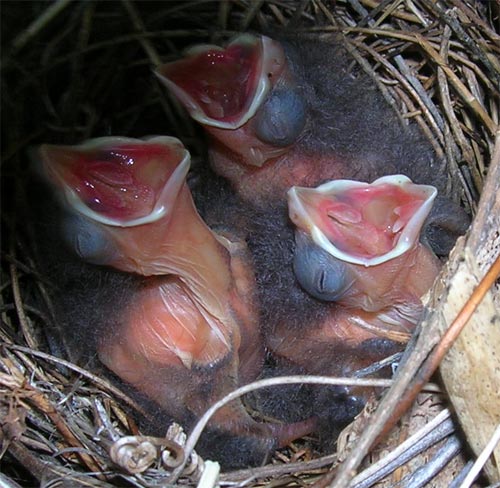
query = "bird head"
x=360 y=234
x=242 y=95
x=120 y=196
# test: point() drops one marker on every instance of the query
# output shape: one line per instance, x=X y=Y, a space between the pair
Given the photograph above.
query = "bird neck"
x=179 y=244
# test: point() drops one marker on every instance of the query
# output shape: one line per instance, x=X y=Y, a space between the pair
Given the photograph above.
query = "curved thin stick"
x=256 y=385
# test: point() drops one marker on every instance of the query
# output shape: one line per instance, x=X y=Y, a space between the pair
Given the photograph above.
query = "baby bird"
x=189 y=334
x=358 y=252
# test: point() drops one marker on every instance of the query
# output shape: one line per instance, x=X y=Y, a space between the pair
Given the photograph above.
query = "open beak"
x=118 y=181
x=224 y=87
x=358 y=243
x=243 y=95
x=363 y=223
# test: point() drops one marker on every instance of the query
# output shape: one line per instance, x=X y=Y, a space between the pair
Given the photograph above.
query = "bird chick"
x=189 y=335
x=357 y=248
x=347 y=294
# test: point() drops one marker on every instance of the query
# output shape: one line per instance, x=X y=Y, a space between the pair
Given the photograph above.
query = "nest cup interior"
x=76 y=70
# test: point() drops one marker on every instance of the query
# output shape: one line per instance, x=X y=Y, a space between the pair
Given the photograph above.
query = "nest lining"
x=77 y=70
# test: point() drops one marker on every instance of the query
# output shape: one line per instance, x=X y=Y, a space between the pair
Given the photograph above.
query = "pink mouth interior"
x=221 y=82
x=122 y=182
x=367 y=222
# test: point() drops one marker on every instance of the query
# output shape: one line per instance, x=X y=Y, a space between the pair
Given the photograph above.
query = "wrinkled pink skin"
x=139 y=358
x=240 y=146
x=270 y=183
x=392 y=290
x=190 y=335
x=337 y=346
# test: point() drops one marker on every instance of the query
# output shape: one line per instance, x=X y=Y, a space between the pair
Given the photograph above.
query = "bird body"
x=357 y=248
x=190 y=333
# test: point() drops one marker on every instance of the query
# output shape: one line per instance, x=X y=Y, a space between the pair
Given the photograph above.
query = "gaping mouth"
x=224 y=87
x=363 y=223
x=119 y=181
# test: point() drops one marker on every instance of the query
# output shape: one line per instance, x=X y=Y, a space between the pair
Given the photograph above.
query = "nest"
x=74 y=70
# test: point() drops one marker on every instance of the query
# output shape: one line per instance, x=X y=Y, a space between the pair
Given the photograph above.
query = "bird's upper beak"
x=119 y=181
x=223 y=88
x=362 y=223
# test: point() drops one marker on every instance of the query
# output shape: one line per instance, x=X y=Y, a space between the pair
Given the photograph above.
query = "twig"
x=140 y=28
x=284 y=380
x=444 y=92
x=6 y=482
x=104 y=385
x=437 y=429
x=477 y=20
x=223 y=15
x=43 y=471
x=419 y=89
x=397 y=14
x=482 y=458
x=251 y=12
x=278 y=469
x=38 y=25
x=23 y=319
x=421 y=476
